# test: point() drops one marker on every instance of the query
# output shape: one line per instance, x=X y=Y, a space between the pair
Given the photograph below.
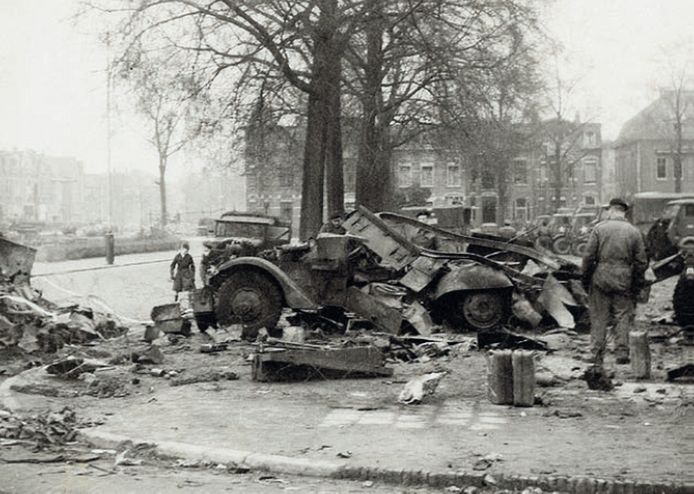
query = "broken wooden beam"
x=303 y=364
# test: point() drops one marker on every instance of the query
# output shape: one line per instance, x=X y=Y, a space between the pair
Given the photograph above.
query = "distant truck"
x=670 y=242
x=248 y=234
x=647 y=207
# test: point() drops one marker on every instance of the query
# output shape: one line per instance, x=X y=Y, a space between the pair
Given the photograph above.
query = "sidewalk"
x=431 y=443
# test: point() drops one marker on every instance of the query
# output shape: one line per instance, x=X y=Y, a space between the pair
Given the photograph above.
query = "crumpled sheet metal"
x=554 y=298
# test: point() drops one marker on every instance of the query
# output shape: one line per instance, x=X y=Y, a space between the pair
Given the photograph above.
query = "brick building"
x=273 y=174
x=645 y=148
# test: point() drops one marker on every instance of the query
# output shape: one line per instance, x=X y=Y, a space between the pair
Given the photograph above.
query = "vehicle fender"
x=471 y=277
x=294 y=296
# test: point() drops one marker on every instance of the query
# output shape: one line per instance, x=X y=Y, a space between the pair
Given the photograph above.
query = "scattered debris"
x=563 y=414
x=72 y=367
x=420 y=387
x=46 y=429
x=597 y=379
x=123 y=460
x=503 y=338
x=168 y=319
x=344 y=454
x=153 y=355
x=208 y=376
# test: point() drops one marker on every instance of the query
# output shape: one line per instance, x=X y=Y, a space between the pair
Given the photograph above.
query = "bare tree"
x=678 y=97
x=407 y=60
x=563 y=134
x=164 y=100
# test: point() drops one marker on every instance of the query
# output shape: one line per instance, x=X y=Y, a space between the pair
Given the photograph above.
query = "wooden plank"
x=338 y=362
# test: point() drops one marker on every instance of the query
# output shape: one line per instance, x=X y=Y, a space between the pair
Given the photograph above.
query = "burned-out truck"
x=379 y=273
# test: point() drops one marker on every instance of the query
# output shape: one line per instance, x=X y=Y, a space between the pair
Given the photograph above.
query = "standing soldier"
x=182 y=270
x=613 y=272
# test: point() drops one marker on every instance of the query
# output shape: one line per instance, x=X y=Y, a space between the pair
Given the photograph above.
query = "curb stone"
x=341 y=470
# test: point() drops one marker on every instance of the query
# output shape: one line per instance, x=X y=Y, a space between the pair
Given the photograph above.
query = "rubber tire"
x=497 y=305
x=561 y=245
x=258 y=286
x=579 y=249
x=683 y=302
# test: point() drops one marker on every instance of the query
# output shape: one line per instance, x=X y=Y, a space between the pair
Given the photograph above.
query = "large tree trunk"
x=162 y=191
x=373 y=181
x=334 y=165
x=323 y=146
x=312 y=181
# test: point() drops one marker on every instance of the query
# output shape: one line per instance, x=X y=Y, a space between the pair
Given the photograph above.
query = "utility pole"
x=108 y=131
x=109 y=239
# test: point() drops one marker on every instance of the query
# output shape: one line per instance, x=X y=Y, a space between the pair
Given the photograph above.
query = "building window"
x=661 y=169
x=589 y=200
x=488 y=181
x=427 y=176
x=590 y=172
x=521 y=209
x=405 y=176
x=520 y=171
x=453 y=178
x=590 y=138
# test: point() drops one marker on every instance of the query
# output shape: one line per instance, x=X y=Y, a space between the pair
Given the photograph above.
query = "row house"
x=447 y=177
x=646 y=148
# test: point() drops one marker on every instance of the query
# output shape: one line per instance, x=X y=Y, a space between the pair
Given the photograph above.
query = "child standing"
x=182 y=270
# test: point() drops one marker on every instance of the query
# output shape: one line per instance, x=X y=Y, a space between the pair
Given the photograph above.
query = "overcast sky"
x=52 y=81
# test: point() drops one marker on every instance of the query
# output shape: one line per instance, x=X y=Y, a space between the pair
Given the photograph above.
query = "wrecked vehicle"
x=383 y=277
x=670 y=242
x=247 y=234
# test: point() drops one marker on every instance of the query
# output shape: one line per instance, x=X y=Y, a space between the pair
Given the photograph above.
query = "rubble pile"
x=29 y=323
x=44 y=430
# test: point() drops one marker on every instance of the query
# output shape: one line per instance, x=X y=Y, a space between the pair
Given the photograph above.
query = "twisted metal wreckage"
x=400 y=275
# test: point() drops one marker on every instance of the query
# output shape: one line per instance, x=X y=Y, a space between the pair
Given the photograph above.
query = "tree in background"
x=417 y=67
x=164 y=100
x=393 y=56
x=678 y=94
x=562 y=132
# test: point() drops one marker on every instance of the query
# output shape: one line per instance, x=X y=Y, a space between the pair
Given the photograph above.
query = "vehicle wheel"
x=580 y=248
x=683 y=302
x=480 y=310
x=561 y=245
x=249 y=298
